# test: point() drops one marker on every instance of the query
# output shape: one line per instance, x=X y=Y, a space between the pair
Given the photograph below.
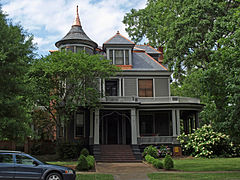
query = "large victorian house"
x=137 y=109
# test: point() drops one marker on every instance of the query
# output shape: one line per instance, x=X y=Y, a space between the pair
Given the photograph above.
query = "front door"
x=115 y=127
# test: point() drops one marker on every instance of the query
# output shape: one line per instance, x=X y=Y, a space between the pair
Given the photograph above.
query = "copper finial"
x=118 y=32
x=77 y=20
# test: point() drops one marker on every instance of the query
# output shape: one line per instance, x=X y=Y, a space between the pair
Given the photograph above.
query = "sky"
x=50 y=20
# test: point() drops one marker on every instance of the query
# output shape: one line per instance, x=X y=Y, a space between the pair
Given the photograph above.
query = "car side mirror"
x=35 y=163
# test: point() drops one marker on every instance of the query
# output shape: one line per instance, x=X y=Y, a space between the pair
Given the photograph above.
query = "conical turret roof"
x=76 y=35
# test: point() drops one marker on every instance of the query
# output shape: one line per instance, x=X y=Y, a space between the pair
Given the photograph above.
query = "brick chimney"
x=160 y=59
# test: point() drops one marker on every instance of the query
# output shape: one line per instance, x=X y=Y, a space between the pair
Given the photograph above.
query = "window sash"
x=145 y=88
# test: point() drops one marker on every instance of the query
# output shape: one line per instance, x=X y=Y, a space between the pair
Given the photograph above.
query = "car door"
x=26 y=168
x=6 y=166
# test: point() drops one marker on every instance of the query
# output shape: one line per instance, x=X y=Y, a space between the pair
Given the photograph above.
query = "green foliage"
x=91 y=161
x=168 y=162
x=157 y=164
x=82 y=163
x=150 y=150
x=149 y=158
x=16 y=54
x=163 y=151
x=63 y=81
x=202 y=47
x=204 y=142
x=84 y=152
x=68 y=150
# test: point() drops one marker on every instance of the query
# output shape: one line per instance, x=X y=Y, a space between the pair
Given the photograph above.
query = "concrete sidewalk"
x=125 y=171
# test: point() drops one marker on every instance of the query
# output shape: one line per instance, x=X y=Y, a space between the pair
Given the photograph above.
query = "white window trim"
x=124 y=55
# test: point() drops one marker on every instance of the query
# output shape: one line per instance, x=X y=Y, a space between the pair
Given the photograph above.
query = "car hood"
x=56 y=167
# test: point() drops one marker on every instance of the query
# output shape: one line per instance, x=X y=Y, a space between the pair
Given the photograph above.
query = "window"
x=70 y=48
x=146 y=124
x=20 y=159
x=119 y=56
x=79 y=124
x=6 y=158
x=145 y=88
x=79 y=48
x=111 y=87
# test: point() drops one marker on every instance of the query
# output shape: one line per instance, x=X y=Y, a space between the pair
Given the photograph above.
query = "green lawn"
x=195 y=176
x=63 y=163
x=94 y=177
x=200 y=164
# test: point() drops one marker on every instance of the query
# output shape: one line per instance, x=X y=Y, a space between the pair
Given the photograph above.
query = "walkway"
x=125 y=171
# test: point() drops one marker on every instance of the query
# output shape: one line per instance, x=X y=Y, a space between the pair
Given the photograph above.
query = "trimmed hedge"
x=91 y=161
x=157 y=164
x=85 y=152
x=168 y=162
x=82 y=163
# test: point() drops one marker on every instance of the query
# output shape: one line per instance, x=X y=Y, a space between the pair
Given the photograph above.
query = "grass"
x=94 y=177
x=195 y=176
x=200 y=164
x=63 y=163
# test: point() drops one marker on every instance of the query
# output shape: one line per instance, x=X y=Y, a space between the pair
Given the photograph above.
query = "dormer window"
x=119 y=56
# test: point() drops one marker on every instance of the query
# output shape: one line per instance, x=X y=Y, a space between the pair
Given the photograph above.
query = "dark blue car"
x=18 y=165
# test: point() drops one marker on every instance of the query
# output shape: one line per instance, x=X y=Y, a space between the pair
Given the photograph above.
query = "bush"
x=163 y=151
x=168 y=162
x=149 y=158
x=157 y=164
x=151 y=150
x=82 y=163
x=91 y=161
x=204 y=142
x=69 y=150
x=85 y=152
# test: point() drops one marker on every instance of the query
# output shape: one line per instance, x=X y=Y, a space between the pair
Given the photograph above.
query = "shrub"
x=69 y=150
x=168 y=162
x=157 y=164
x=85 y=152
x=91 y=161
x=204 y=142
x=163 y=151
x=149 y=158
x=82 y=163
x=151 y=150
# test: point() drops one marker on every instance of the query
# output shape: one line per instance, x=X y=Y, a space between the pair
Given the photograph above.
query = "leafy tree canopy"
x=16 y=52
x=201 y=40
x=64 y=81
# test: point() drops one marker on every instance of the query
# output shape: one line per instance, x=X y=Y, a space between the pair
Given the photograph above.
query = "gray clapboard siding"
x=130 y=87
x=161 y=87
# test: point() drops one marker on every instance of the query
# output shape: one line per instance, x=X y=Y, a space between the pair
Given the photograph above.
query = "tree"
x=201 y=40
x=16 y=53
x=64 y=81
x=189 y=30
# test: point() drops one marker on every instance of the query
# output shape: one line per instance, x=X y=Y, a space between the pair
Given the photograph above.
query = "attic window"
x=119 y=56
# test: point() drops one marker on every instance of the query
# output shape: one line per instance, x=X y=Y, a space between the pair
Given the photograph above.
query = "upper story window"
x=119 y=56
x=111 y=87
x=76 y=49
x=145 y=88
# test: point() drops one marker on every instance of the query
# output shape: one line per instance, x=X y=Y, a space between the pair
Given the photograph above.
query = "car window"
x=21 y=159
x=6 y=158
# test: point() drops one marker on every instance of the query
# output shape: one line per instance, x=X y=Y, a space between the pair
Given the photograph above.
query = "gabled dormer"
x=119 y=50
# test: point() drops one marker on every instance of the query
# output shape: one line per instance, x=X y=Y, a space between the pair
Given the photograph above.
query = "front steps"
x=117 y=153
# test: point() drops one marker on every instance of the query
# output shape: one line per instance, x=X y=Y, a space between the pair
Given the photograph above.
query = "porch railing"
x=157 y=140
x=168 y=99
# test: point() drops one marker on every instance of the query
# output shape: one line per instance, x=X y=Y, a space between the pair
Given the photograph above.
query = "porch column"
x=96 y=127
x=134 y=126
x=91 y=127
x=178 y=121
x=137 y=120
x=174 y=122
